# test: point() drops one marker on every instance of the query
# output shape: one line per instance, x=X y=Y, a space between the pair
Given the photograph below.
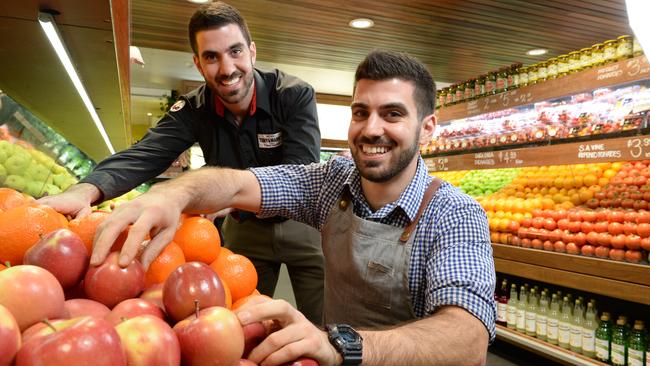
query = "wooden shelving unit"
x=545 y=349
x=620 y=280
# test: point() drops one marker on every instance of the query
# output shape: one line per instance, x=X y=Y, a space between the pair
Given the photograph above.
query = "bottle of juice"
x=531 y=313
x=589 y=332
x=502 y=303
x=604 y=338
x=576 y=327
x=564 y=324
x=541 y=328
x=521 y=310
x=619 y=343
x=512 y=308
x=553 y=320
x=636 y=348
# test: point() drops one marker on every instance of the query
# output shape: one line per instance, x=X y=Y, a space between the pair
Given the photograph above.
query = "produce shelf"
x=621 y=280
x=587 y=80
x=545 y=349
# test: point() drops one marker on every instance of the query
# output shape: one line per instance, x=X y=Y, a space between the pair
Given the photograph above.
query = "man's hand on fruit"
x=75 y=201
x=296 y=337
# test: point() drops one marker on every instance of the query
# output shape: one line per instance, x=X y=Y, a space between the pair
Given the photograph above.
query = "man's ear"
x=253 y=49
x=426 y=131
x=195 y=58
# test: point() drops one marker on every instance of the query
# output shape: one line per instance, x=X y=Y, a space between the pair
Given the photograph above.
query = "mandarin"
x=21 y=227
x=86 y=227
x=199 y=239
x=167 y=261
x=238 y=272
x=10 y=198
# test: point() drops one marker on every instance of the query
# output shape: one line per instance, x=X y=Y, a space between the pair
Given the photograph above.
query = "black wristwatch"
x=347 y=342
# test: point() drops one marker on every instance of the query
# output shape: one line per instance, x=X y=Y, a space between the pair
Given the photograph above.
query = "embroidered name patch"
x=269 y=140
x=177 y=106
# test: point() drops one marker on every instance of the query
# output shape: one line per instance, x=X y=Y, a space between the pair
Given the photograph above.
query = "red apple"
x=63 y=253
x=37 y=328
x=189 y=283
x=131 y=308
x=254 y=334
x=9 y=337
x=148 y=341
x=110 y=284
x=85 y=307
x=214 y=336
x=78 y=341
x=31 y=294
x=76 y=292
x=154 y=294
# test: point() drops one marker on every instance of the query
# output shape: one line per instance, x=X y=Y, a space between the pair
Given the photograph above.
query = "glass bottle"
x=553 y=320
x=551 y=68
x=574 y=61
x=512 y=307
x=442 y=97
x=479 y=87
x=531 y=313
x=604 y=338
x=619 y=343
x=501 y=80
x=589 y=332
x=523 y=76
x=624 y=47
x=564 y=324
x=490 y=83
x=521 y=310
x=450 y=94
x=562 y=65
x=541 y=327
x=469 y=89
x=597 y=56
x=502 y=303
x=637 y=345
x=460 y=92
x=542 y=71
x=585 y=58
x=576 y=327
x=532 y=74
x=609 y=51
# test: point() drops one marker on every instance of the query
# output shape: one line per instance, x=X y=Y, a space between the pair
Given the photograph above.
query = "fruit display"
x=604 y=111
x=600 y=209
x=168 y=314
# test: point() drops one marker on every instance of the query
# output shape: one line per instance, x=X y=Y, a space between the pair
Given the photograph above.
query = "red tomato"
x=643 y=230
x=617 y=254
x=587 y=250
x=602 y=252
x=618 y=241
x=592 y=238
x=525 y=243
x=633 y=256
x=601 y=226
x=601 y=215
x=567 y=236
x=559 y=247
x=615 y=228
x=540 y=245
x=535 y=243
x=630 y=216
x=559 y=214
x=574 y=216
x=563 y=224
x=640 y=205
x=580 y=239
x=513 y=226
x=615 y=216
x=645 y=244
x=526 y=222
x=588 y=216
x=574 y=226
x=548 y=246
x=633 y=242
x=514 y=240
x=538 y=222
x=549 y=224
x=629 y=228
x=586 y=227
x=555 y=235
x=643 y=217
x=572 y=248
x=604 y=239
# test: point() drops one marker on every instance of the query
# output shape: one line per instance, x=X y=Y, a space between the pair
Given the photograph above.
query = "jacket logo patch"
x=177 y=106
x=269 y=140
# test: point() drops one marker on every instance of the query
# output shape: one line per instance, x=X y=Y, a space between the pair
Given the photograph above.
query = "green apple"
x=51 y=190
x=7 y=148
x=58 y=169
x=34 y=188
x=3 y=173
x=15 y=182
x=17 y=164
x=37 y=172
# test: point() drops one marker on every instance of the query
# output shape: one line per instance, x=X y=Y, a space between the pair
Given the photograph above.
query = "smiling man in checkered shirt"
x=403 y=250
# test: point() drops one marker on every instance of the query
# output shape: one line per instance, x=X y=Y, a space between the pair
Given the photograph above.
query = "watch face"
x=348 y=336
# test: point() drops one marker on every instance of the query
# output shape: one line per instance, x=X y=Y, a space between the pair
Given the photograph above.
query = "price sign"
x=638 y=147
x=437 y=164
x=507 y=156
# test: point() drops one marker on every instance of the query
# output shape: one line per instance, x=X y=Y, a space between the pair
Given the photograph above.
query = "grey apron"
x=366 y=266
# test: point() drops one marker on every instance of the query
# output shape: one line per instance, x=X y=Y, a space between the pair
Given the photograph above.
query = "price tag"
x=638 y=147
x=437 y=164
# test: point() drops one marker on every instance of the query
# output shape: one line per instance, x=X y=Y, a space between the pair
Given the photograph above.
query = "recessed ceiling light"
x=199 y=1
x=361 y=23
x=536 y=52
x=149 y=114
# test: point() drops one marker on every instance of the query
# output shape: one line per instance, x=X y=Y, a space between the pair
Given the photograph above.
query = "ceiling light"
x=199 y=1
x=49 y=27
x=149 y=114
x=536 y=52
x=635 y=14
x=361 y=23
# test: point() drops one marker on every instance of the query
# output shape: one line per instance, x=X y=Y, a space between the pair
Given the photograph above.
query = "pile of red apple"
x=616 y=233
x=54 y=310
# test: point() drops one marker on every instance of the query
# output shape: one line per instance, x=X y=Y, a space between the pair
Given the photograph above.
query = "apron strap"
x=428 y=196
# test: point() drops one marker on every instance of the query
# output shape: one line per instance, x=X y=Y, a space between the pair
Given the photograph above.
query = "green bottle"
x=619 y=343
x=531 y=313
x=512 y=308
x=604 y=338
x=564 y=324
x=553 y=320
x=521 y=310
x=637 y=345
x=576 y=327
x=589 y=327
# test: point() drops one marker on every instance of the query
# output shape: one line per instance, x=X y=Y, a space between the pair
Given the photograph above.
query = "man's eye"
x=237 y=51
x=359 y=114
x=394 y=114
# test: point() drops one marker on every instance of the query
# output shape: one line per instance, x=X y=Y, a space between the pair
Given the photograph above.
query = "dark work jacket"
x=282 y=130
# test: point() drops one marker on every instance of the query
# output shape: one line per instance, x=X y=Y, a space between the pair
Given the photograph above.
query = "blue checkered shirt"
x=451 y=260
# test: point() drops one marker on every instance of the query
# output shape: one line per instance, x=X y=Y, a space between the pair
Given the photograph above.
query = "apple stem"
x=123 y=319
x=196 y=308
x=7 y=264
x=47 y=322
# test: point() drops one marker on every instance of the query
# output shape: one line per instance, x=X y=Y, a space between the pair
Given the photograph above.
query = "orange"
x=86 y=226
x=228 y=295
x=199 y=239
x=244 y=300
x=239 y=274
x=167 y=261
x=53 y=212
x=10 y=198
x=21 y=227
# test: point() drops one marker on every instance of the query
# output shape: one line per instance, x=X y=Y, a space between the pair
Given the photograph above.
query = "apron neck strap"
x=428 y=196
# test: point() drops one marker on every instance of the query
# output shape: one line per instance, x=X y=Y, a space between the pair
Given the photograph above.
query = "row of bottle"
x=517 y=75
x=572 y=324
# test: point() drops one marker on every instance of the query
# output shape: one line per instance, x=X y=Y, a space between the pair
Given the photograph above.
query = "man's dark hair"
x=216 y=15
x=383 y=65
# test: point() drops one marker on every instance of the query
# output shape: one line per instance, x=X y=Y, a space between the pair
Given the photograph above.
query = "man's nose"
x=227 y=67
